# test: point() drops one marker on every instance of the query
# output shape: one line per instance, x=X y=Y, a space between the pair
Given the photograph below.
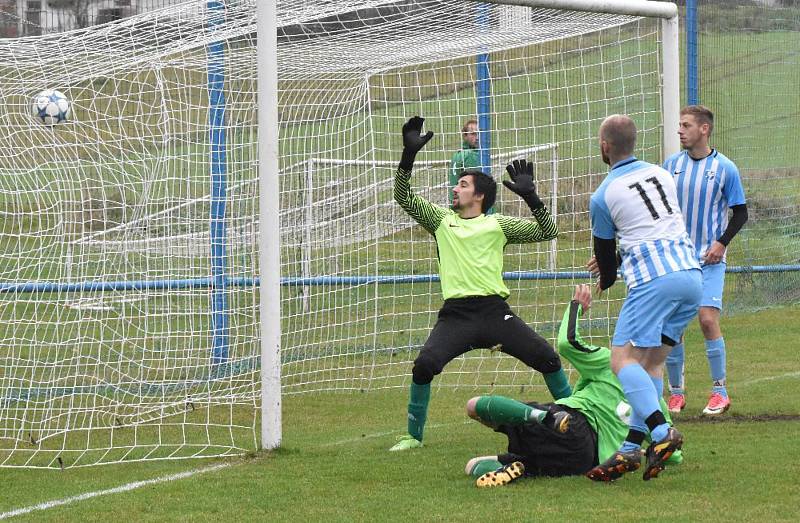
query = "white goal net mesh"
x=351 y=82
x=129 y=239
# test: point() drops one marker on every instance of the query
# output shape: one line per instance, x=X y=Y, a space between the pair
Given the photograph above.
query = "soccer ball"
x=51 y=107
x=624 y=412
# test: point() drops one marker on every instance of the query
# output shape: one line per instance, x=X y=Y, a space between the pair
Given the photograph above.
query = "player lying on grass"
x=565 y=438
x=470 y=248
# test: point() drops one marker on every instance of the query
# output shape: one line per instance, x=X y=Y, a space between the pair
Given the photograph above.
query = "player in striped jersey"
x=637 y=205
x=470 y=246
x=708 y=185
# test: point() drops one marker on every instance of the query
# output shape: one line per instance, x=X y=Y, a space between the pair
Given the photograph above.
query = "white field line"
x=183 y=475
x=116 y=490
x=772 y=378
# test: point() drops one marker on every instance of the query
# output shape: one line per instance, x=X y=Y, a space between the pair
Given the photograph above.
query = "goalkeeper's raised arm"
x=526 y=231
x=424 y=212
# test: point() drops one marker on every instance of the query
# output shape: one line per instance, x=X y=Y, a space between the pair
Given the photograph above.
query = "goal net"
x=129 y=244
x=368 y=295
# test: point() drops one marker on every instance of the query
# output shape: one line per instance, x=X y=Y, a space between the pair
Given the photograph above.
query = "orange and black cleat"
x=658 y=453
x=617 y=465
x=502 y=476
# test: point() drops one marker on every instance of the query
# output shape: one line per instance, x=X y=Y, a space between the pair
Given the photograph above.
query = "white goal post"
x=269 y=203
x=670 y=29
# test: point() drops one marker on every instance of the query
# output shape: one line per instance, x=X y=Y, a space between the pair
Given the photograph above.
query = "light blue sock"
x=636 y=422
x=627 y=446
x=639 y=391
x=715 y=351
x=675 y=366
x=658 y=383
x=660 y=432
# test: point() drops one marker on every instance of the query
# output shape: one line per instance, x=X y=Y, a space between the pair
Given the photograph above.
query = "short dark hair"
x=702 y=114
x=484 y=184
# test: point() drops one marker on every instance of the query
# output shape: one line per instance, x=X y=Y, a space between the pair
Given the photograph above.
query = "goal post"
x=670 y=30
x=128 y=259
x=367 y=289
x=269 y=244
x=377 y=164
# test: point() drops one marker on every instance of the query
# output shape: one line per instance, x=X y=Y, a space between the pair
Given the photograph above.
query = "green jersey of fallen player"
x=598 y=394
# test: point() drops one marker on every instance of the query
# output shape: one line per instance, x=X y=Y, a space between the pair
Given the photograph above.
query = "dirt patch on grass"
x=738 y=418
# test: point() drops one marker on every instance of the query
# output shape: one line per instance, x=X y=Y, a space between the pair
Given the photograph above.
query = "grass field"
x=333 y=464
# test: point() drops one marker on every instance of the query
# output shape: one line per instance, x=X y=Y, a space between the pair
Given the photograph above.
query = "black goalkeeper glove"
x=521 y=173
x=413 y=141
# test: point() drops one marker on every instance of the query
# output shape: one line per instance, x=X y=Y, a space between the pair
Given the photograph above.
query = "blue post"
x=692 y=78
x=219 y=181
x=483 y=93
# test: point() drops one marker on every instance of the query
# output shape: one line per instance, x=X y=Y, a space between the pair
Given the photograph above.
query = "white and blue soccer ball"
x=624 y=412
x=51 y=107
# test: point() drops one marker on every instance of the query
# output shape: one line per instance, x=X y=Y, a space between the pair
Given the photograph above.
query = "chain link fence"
x=749 y=70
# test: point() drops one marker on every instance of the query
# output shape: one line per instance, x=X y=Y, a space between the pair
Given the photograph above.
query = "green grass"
x=333 y=464
x=744 y=81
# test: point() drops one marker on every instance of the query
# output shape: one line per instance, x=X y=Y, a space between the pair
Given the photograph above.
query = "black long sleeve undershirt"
x=735 y=224
x=605 y=252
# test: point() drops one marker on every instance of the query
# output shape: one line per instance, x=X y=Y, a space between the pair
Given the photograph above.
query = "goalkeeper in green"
x=570 y=436
x=470 y=246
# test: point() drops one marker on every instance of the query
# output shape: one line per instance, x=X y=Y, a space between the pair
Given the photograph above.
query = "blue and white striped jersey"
x=706 y=189
x=637 y=205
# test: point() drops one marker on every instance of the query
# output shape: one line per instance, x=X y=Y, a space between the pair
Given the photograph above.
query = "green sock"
x=484 y=466
x=418 y=409
x=499 y=410
x=664 y=409
x=557 y=384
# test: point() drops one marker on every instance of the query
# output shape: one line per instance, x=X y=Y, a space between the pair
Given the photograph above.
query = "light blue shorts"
x=660 y=308
x=713 y=285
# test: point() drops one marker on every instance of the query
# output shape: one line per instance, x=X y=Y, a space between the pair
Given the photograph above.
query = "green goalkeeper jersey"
x=598 y=393
x=471 y=250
